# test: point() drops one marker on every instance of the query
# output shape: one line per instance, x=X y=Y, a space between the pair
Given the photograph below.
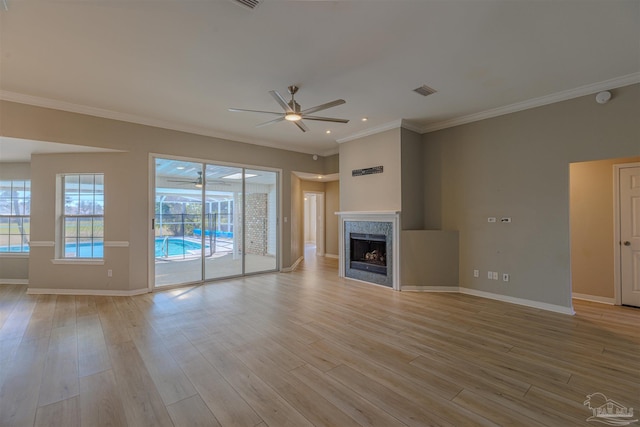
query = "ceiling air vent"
x=425 y=90
x=249 y=4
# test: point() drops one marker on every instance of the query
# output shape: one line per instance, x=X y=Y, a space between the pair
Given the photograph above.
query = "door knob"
x=627 y=243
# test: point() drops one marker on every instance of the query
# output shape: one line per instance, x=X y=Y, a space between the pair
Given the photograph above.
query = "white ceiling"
x=182 y=64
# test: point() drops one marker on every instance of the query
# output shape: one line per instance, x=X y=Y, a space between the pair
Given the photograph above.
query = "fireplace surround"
x=369 y=244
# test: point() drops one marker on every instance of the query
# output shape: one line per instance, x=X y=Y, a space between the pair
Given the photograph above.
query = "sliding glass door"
x=178 y=249
x=224 y=196
x=213 y=221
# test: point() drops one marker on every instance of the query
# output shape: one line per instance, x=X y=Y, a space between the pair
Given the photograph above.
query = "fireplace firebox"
x=373 y=234
x=368 y=252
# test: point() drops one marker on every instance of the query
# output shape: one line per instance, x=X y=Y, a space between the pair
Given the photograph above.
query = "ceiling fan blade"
x=323 y=106
x=270 y=122
x=280 y=100
x=301 y=125
x=326 y=119
x=242 y=110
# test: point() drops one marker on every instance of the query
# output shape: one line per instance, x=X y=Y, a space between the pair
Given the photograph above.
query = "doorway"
x=314 y=228
x=627 y=229
x=212 y=221
x=596 y=269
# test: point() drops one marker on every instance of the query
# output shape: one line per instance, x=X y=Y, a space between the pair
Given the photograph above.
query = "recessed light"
x=328 y=132
x=319 y=176
x=238 y=175
x=364 y=119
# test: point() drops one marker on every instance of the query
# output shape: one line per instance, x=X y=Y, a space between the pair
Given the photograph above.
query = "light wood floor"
x=307 y=348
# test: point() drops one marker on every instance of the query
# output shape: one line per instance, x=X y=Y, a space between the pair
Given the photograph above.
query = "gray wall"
x=429 y=258
x=42 y=124
x=371 y=192
x=332 y=205
x=43 y=274
x=331 y=164
x=517 y=165
x=296 y=220
x=412 y=188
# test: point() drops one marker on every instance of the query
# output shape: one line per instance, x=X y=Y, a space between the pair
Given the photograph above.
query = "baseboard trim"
x=594 y=298
x=14 y=281
x=293 y=267
x=92 y=292
x=334 y=256
x=519 y=301
x=411 y=288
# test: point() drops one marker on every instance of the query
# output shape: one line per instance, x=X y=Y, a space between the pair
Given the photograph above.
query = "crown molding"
x=414 y=127
x=140 y=120
x=564 y=95
x=589 y=89
x=371 y=131
x=401 y=123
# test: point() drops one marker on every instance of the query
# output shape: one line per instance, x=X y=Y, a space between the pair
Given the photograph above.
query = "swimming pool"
x=174 y=247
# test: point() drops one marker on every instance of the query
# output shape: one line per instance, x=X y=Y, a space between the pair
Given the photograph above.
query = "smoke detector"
x=603 y=97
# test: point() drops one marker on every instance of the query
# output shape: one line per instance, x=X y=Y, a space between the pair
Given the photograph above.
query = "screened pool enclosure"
x=213 y=221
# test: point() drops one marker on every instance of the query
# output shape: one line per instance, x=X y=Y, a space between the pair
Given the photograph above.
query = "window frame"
x=11 y=216
x=80 y=236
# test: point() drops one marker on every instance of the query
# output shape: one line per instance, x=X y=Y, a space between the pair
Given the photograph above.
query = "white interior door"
x=630 y=235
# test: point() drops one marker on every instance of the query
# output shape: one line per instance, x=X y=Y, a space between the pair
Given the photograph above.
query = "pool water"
x=176 y=247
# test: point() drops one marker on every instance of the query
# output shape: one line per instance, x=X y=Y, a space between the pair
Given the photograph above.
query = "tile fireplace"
x=369 y=244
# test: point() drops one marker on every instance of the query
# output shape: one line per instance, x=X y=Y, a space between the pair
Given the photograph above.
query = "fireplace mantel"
x=392 y=217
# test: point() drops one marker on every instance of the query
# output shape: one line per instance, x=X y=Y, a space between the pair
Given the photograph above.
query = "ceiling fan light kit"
x=292 y=117
x=292 y=111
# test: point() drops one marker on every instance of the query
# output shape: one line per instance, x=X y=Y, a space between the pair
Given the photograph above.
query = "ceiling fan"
x=197 y=182
x=292 y=111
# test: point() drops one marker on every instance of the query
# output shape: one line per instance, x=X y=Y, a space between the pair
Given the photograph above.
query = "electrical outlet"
x=489 y=275
x=495 y=275
x=505 y=277
x=491 y=219
x=476 y=273
x=505 y=219
x=109 y=273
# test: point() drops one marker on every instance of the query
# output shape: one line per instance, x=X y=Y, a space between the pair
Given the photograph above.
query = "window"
x=83 y=216
x=15 y=208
